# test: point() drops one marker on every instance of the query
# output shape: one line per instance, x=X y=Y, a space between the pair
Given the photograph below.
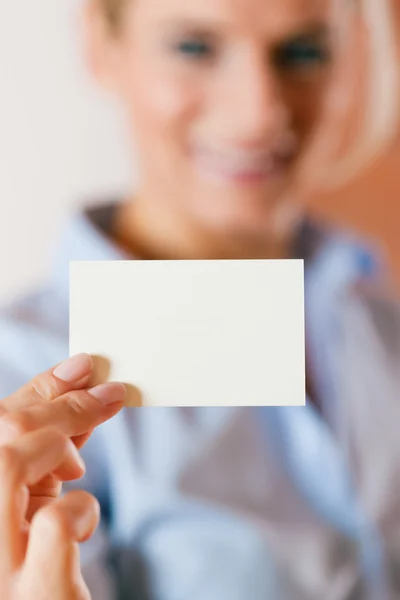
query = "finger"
x=42 y=494
x=72 y=374
x=74 y=414
x=72 y=518
x=24 y=463
x=55 y=531
x=80 y=440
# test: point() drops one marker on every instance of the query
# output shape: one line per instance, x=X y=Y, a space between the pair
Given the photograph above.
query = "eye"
x=301 y=54
x=195 y=49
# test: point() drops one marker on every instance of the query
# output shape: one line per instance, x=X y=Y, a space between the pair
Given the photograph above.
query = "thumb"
x=52 y=558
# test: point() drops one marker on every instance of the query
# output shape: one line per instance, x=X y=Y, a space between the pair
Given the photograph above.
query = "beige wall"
x=59 y=142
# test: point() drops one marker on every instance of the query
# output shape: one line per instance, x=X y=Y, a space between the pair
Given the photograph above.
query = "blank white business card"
x=194 y=333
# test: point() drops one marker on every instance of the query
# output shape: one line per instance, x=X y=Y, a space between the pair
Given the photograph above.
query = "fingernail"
x=74 y=368
x=109 y=393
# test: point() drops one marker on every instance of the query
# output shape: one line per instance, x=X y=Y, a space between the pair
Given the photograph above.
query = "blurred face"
x=221 y=96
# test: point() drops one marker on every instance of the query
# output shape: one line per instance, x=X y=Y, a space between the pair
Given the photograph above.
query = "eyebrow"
x=318 y=30
x=312 y=32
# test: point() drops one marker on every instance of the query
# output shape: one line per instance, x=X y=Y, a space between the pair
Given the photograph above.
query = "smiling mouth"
x=242 y=167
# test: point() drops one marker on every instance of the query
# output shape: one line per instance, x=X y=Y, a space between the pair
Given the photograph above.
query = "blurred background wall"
x=62 y=143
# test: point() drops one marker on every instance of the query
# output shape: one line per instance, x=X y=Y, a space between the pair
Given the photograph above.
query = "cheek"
x=305 y=102
x=161 y=107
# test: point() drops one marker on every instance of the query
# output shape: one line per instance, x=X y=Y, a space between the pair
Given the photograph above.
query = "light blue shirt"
x=191 y=548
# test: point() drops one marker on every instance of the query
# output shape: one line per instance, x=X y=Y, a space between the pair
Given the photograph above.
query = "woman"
x=223 y=100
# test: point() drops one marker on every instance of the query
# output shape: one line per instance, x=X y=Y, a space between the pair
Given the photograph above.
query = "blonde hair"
x=380 y=105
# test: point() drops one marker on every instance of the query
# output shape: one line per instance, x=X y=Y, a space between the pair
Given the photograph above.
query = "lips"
x=238 y=165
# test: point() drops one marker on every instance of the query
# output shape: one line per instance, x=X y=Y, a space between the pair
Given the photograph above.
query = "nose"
x=252 y=106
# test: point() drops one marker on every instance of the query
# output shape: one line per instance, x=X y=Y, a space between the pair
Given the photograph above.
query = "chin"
x=247 y=214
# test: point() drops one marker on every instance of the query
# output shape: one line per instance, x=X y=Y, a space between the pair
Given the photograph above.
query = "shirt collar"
x=84 y=238
x=330 y=258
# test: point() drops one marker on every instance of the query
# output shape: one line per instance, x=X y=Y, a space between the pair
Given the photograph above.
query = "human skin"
x=221 y=99
x=235 y=109
x=42 y=426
